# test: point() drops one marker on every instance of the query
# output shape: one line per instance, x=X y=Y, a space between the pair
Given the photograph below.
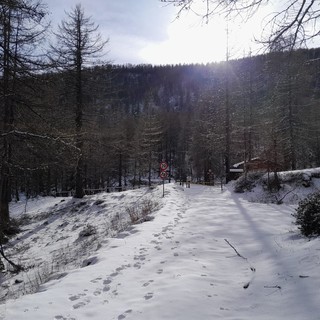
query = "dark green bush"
x=308 y=215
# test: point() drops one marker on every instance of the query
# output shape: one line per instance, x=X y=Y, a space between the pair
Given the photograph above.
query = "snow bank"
x=295 y=186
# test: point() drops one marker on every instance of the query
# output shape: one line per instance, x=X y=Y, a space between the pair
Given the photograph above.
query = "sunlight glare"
x=192 y=40
x=189 y=42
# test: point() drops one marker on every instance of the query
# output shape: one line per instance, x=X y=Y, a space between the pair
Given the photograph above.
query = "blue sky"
x=147 y=31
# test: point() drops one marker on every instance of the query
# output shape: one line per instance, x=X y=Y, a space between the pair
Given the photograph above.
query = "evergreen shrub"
x=308 y=215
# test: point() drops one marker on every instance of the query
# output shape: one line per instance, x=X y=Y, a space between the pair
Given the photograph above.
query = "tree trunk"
x=79 y=193
x=291 y=128
x=149 y=169
x=227 y=114
x=120 y=172
x=5 y=192
x=4 y=200
x=79 y=179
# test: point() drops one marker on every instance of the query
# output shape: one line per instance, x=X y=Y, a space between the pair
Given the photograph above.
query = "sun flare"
x=191 y=40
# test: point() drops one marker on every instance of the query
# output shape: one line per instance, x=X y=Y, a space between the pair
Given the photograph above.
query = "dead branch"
x=272 y=287
x=241 y=256
x=279 y=200
x=16 y=267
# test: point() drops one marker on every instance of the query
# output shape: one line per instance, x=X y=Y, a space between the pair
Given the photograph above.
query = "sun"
x=188 y=41
x=192 y=40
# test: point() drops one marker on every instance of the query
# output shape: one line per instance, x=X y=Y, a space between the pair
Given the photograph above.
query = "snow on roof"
x=236 y=170
x=242 y=162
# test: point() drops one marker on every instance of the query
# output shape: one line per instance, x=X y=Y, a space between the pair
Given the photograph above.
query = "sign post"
x=163 y=172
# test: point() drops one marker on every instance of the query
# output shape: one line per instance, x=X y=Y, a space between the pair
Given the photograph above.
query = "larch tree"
x=22 y=28
x=149 y=136
x=79 y=45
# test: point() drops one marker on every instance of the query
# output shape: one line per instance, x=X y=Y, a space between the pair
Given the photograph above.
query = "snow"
x=296 y=185
x=207 y=254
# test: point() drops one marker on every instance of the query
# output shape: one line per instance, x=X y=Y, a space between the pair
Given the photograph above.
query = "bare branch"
x=241 y=256
x=292 y=25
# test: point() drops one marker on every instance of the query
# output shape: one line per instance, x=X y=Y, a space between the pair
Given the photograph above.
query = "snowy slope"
x=296 y=185
x=208 y=254
x=60 y=234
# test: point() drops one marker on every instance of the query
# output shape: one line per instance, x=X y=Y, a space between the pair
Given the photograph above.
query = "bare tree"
x=290 y=23
x=21 y=30
x=78 y=46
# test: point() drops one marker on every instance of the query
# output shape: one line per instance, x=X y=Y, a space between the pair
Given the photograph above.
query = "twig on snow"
x=253 y=269
x=273 y=287
x=241 y=256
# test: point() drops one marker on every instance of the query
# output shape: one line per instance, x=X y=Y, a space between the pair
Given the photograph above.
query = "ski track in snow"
x=180 y=266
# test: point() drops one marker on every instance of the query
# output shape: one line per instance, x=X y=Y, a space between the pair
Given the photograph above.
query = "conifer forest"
x=73 y=125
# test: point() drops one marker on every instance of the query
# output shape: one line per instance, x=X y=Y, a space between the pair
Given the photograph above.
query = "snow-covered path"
x=207 y=255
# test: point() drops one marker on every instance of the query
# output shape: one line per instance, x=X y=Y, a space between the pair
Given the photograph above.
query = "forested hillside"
x=193 y=116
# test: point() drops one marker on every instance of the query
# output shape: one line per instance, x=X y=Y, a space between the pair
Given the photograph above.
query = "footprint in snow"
x=125 y=266
x=148 y=296
x=123 y=315
x=97 y=292
x=147 y=283
x=79 y=305
x=106 y=288
x=95 y=280
x=118 y=270
x=76 y=297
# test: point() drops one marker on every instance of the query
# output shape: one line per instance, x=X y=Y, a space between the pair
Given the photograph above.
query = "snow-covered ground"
x=207 y=254
x=296 y=185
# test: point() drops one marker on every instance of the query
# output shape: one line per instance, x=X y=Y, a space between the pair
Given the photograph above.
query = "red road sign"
x=164 y=174
x=163 y=166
